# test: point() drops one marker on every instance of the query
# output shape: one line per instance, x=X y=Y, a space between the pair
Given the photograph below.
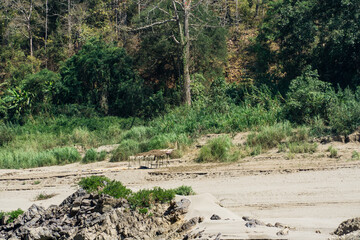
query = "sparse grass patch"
x=270 y=136
x=37 y=182
x=184 y=191
x=355 y=155
x=44 y=196
x=125 y=150
x=333 y=152
x=302 y=147
x=218 y=150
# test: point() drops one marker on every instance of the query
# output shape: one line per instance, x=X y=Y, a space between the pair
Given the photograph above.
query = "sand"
x=311 y=194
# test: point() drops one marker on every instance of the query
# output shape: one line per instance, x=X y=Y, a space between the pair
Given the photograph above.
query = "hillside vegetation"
x=155 y=74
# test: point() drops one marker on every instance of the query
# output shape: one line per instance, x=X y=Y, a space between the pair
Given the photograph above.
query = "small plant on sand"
x=44 y=196
x=184 y=191
x=37 y=182
x=218 y=150
x=355 y=155
x=333 y=152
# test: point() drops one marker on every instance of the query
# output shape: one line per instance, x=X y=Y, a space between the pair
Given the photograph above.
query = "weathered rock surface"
x=348 y=226
x=85 y=216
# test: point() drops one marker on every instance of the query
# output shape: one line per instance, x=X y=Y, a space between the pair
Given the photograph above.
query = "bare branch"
x=175 y=40
x=153 y=25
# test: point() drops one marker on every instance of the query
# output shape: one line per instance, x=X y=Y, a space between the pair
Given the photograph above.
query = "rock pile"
x=347 y=227
x=85 y=216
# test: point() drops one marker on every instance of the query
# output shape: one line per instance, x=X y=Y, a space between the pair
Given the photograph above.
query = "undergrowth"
x=11 y=215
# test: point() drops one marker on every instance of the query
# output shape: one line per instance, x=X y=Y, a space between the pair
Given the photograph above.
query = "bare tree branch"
x=152 y=25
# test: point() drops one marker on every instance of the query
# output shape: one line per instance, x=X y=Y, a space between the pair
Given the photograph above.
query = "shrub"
x=184 y=191
x=94 y=183
x=116 y=190
x=218 y=149
x=308 y=97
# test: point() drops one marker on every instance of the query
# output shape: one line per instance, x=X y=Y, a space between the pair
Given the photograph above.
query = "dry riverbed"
x=310 y=194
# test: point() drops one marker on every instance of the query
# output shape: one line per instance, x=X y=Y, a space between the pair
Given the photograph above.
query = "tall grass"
x=218 y=150
x=36 y=142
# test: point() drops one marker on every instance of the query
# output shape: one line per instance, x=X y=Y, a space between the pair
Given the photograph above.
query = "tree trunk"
x=186 y=53
x=69 y=27
x=46 y=31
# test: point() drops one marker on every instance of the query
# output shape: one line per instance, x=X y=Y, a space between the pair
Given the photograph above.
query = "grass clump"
x=125 y=150
x=44 y=196
x=12 y=215
x=270 y=136
x=355 y=155
x=184 y=191
x=92 y=156
x=6 y=134
x=218 y=150
x=302 y=147
x=333 y=152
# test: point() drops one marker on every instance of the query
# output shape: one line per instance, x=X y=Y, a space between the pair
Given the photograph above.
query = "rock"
x=83 y=216
x=279 y=225
x=318 y=231
x=182 y=206
x=283 y=232
x=348 y=226
x=189 y=224
x=215 y=217
x=250 y=224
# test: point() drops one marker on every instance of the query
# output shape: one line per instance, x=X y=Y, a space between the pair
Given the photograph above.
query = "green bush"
x=184 y=191
x=308 y=97
x=217 y=150
x=94 y=183
x=116 y=190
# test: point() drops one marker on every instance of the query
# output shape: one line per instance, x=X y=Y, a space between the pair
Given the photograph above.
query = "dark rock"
x=215 y=217
x=250 y=224
x=283 y=232
x=348 y=226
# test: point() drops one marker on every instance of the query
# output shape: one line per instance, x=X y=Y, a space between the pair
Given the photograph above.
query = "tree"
x=101 y=75
x=323 y=34
x=183 y=21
